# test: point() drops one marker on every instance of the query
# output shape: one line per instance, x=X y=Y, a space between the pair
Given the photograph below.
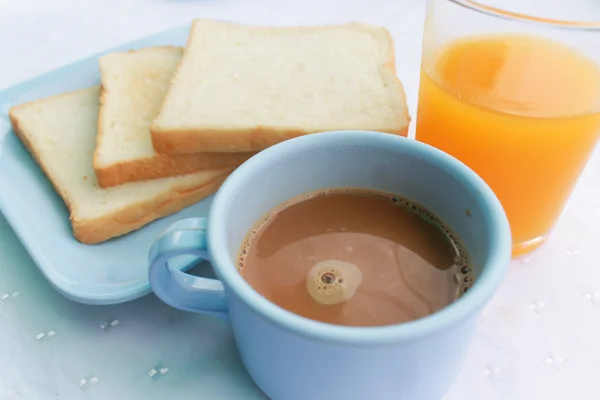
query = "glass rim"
x=527 y=18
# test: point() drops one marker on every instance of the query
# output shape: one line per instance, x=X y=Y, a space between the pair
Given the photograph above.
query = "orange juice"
x=521 y=111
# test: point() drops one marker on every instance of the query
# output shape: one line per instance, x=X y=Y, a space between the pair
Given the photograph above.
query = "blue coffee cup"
x=294 y=358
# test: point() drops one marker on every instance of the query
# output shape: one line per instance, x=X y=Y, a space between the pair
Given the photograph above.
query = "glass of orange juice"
x=516 y=97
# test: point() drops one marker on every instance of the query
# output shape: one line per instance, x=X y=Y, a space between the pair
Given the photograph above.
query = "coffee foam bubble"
x=333 y=281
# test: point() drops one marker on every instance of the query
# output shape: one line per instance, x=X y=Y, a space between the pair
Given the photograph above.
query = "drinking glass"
x=516 y=97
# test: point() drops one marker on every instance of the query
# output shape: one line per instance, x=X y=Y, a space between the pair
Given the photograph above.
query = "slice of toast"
x=133 y=89
x=60 y=133
x=245 y=88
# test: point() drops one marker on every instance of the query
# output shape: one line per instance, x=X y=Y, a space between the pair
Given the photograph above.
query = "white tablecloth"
x=538 y=339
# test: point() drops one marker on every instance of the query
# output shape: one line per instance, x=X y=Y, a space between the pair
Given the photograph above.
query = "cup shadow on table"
x=161 y=350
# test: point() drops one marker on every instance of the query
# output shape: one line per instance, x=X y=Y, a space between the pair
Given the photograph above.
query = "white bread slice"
x=60 y=133
x=245 y=88
x=133 y=88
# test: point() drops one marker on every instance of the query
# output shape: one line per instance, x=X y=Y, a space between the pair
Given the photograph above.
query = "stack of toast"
x=167 y=125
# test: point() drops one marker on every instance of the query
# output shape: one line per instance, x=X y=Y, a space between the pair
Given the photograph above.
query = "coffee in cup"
x=355 y=257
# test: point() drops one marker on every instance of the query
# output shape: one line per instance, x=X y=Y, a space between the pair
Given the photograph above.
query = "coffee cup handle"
x=177 y=288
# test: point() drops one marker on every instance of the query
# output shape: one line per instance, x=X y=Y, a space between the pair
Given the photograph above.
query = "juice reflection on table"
x=523 y=112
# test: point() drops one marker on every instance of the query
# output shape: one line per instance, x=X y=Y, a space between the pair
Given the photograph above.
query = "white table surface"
x=538 y=339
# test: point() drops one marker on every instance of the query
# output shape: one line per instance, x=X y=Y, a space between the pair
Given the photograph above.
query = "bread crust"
x=126 y=219
x=131 y=218
x=187 y=140
x=163 y=166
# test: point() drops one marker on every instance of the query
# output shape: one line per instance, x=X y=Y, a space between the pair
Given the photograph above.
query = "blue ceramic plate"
x=107 y=273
